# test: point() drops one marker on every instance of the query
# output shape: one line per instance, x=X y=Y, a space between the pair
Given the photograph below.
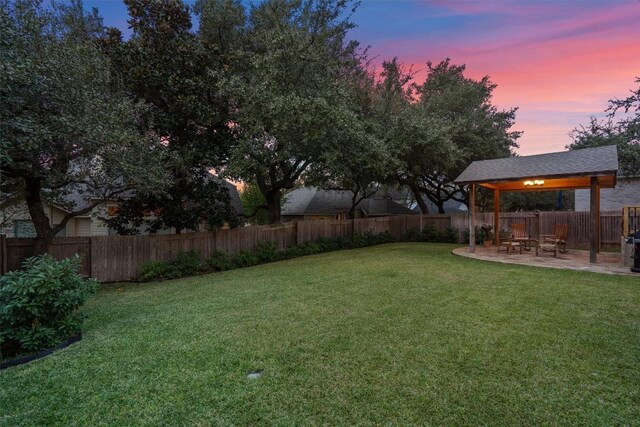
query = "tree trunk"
x=440 y=205
x=44 y=232
x=273 y=199
x=418 y=195
x=354 y=202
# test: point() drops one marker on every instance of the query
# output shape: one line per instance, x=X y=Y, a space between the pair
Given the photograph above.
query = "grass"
x=394 y=334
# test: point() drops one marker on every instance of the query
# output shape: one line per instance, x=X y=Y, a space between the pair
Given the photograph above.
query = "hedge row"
x=190 y=263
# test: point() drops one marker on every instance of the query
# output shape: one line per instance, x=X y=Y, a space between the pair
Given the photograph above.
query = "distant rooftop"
x=315 y=201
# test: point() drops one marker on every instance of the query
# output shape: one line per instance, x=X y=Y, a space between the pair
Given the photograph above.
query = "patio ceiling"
x=606 y=181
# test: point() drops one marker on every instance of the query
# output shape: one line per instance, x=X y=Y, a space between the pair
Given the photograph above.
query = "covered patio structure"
x=592 y=168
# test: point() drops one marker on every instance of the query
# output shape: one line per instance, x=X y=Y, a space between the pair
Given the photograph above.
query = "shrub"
x=450 y=235
x=479 y=236
x=370 y=238
x=151 y=270
x=185 y=264
x=267 y=252
x=188 y=263
x=39 y=305
x=486 y=232
x=245 y=259
x=219 y=261
x=307 y=248
x=430 y=234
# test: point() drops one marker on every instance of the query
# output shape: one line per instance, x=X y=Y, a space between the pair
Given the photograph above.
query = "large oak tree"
x=66 y=125
x=289 y=107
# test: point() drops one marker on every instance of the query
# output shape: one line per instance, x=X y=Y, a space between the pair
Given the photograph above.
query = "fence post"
x=3 y=254
x=90 y=258
x=297 y=232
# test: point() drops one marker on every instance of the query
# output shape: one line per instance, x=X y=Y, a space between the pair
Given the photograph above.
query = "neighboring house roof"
x=77 y=199
x=450 y=206
x=315 y=201
x=572 y=163
x=80 y=197
x=234 y=197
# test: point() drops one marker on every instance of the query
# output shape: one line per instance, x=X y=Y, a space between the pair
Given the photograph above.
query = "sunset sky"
x=559 y=61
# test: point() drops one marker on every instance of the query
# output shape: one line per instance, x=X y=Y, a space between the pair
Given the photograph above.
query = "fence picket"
x=117 y=258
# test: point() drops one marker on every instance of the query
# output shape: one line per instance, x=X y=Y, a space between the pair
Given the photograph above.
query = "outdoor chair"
x=508 y=243
x=521 y=236
x=555 y=242
x=559 y=237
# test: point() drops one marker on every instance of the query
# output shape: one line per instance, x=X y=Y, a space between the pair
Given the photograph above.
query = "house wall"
x=79 y=226
x=9 y=215
x=90 y=225
x=83 y=227
x=97 y=226
x=626 y=192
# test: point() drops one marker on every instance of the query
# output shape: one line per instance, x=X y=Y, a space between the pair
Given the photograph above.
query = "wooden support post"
x=595 y=222
x=599 y=233
x=472 y=218
x=496 y=217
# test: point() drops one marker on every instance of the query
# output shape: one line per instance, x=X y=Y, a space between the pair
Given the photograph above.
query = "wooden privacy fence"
x=116 y=258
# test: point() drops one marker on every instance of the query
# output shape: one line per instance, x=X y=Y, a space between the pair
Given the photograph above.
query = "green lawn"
x=394 y=334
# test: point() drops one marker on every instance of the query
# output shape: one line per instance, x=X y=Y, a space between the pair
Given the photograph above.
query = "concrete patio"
x=608 y=262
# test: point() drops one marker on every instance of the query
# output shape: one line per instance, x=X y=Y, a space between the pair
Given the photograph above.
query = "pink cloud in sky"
x=559 y=62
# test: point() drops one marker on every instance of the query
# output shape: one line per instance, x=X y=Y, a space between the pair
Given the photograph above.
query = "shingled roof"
x=316 y=201
x=574 y=163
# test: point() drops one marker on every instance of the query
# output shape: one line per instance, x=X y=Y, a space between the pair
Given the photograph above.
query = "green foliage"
x=431 y=234
x=188 y=263
x=479 y=235
x=245 y=259
x=486 y=232
x=153 y=270
x=370 y=238
x=437 y=128
x=203 y=199
x=267 y=252
x=621 y=128
x=291 y=107
x=254 y=204
x=185 y=264
x=219 y=261
x=66 y=123
x=165 y=65
x=359 y=164
x=40 y=304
